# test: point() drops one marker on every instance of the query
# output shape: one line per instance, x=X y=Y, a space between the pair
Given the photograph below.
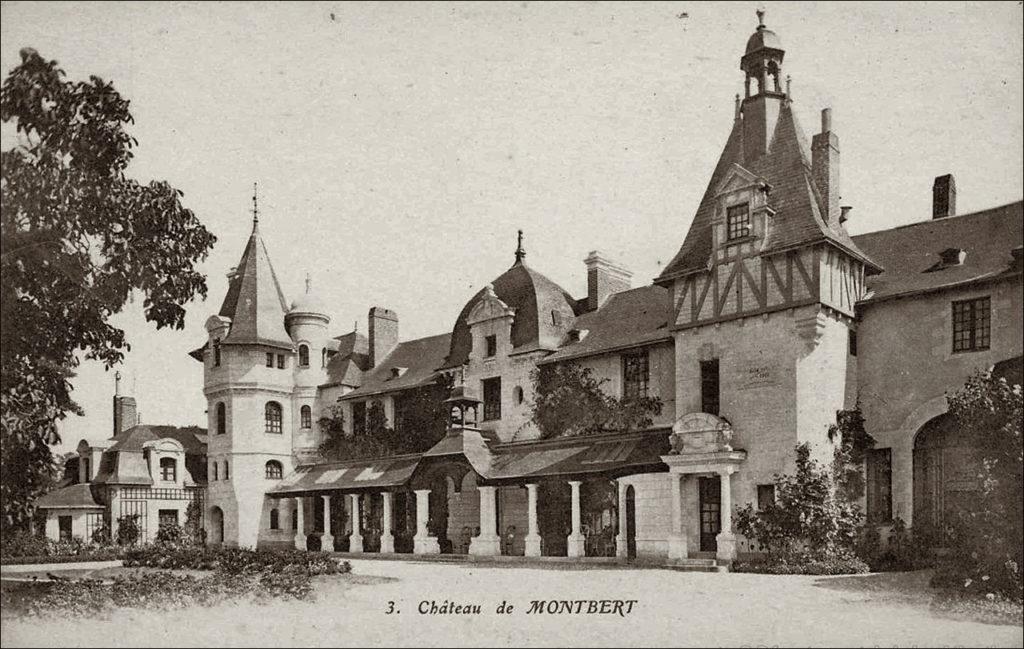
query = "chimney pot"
x=383 y=333
x=944 y=196
x=826 y=120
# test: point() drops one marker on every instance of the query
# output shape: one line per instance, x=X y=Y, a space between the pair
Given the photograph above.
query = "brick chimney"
x=383 y=333
x=825 y=165
x=124 y=408
x=944 y=197
x=604 y=278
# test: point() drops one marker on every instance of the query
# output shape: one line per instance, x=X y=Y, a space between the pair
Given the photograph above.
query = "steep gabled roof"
x=794 y=196
x=254 y=301
x=413 y=363
x=910 y=253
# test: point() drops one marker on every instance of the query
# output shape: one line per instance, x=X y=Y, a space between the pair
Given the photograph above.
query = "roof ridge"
x=946 y=219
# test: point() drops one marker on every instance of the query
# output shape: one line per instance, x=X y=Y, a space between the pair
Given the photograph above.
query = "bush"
x=798 y=562
x=238 y=561
x=170 y=533
x=22 y=547
x=902 y=551
x=97 y=554
x=128 y=530
x=23 y=544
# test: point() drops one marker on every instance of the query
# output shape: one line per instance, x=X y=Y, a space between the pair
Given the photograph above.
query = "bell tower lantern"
x=763 y=92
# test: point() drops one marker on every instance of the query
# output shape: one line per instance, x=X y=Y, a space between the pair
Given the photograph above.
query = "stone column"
x=677 y=547
x=532 y=539
x=327 y=538
x=576 y=543
x=488 y=543
x=300 y=531
x=423 y=543
x=387 y=539
x=355 y=541
x=726 y=540
x=621 y=540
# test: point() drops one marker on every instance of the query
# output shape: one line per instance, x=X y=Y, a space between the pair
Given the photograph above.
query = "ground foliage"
x=78 y=239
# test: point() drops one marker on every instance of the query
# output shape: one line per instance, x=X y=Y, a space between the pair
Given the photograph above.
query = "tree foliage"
x=78 y=237
x=569 y=401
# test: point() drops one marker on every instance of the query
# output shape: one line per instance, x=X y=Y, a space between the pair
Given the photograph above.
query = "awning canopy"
x=372 y=473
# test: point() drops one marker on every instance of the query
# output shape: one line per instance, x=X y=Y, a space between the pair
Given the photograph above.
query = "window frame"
x=275 y=519
x=492 y=405
x=737 y=228
x=490 y=346
x=972 y=326
x=270 y=360
x=280 y=361
x=215 y=471
x=636 y=374
x=222 y=418
x=169 y=463
x=216 y=352
x=273 y=470
x=305 y=417
x=762 y=496
x=273 y=418
x=705 y=381
x=303 y=355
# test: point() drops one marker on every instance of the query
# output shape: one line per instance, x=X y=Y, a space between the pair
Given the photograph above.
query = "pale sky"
x=399 y=146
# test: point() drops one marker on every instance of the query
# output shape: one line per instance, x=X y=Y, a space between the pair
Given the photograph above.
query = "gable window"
x=492 y=398
x=168 y=469
x=303 y=356
x=491 y=344
x=636 y=374
x=971 y=324
x=273 y=470
x=306 y=417
x=222 y=418
x=879 y=485
x=272 y=417
x=216 y=352
x=270 y=359
x=765 y=496
x=359 y=418
x=737 y=222
x=280 y=361
x=275 y=522
x=709 y=387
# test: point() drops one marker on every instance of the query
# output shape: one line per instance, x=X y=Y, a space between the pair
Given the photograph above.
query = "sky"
x=399 y=146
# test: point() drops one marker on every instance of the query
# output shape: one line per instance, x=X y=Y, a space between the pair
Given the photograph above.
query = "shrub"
x=23 y=544
x=238 y=561
x=804 y=562
x=128 y=530
x=902 y=551
x=170 y=533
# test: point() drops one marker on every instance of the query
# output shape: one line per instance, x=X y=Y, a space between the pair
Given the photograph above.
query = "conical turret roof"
x=255 y=302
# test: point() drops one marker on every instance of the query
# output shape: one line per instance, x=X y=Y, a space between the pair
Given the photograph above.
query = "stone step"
x=696 y=565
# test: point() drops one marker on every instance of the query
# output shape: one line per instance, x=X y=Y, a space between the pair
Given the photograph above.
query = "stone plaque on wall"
x=757 y=375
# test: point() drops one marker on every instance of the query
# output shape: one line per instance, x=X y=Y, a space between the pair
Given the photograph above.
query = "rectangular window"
x=765 y=496
x=971 y=324
x=359 y=417
x=270 y=359
x=64 y=525
x=709 y=387
x=280 y=361
x=492 y=346
x=492 y=399
x=168 y=469
x=636 y=375
x=737 y=221
x=879 y=485
x=853 y=342
x=168 y=517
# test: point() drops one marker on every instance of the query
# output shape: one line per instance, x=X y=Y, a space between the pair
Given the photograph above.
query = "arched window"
x=272 y=416
x=213 y=470
x=303 y=356
x=306 y=417
x=274 y=470
x=168 y=469
x=222 y=418
x=226 y=472
x=274 y=522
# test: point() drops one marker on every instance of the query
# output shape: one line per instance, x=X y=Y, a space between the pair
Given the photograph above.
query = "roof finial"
x=117 y=384
x=309 y=282
x=255 y=208
x=760 y=18
x=789 y=81
x=738 y=104
x=520 y=251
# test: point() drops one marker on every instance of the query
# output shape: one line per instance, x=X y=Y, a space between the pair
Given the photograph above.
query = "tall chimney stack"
x=124 y=408
x=944 y=197
x=604 y=278
x=825 y=165
x=383 y=332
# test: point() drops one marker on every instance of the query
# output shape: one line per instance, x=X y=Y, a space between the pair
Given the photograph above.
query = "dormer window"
x=168 y=469
x=491 y=346
x=952 y=256
x=737 y=220
x=398 y=371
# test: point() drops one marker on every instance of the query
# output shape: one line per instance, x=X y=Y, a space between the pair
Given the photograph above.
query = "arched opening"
x=273 y=470
x=303 y=356
x=630 y=522
x=773 y=83
x=272 y=417
x=946 y=477
x=216 y=525
x=222 y=418
x=306 y=417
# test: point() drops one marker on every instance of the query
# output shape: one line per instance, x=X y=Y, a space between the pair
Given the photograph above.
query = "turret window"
x=306 y=417
x=737 y=222
x=272 y=417
x=216 y=352
x=303 y=356
x=222 y=419
x=168 y=469
x=270 y=359
x=274 y=470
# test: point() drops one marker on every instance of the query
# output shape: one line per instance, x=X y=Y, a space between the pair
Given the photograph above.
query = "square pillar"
x=726 y=539
x=327 y=538
x=576 y=543
x=532 y=539
x=621 y=543
x=300 y=531
x=387 y=539
x=423 y=543
x=677 y=546
x=355 y=541
x=488 y=543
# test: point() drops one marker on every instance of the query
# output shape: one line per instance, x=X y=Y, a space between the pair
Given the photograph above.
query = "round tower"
x=307 y=322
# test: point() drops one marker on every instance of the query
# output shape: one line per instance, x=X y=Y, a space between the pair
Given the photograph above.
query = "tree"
x=568 y=401
x=78 y=237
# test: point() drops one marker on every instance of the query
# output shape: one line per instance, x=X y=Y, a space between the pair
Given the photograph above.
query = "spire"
x=520 y=251
x=255 y=209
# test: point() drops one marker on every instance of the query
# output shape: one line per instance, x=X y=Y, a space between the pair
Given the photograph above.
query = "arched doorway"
x=630 y=522
x=946 y=480
x=216 y=525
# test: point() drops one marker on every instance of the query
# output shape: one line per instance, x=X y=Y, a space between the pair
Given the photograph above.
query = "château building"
x=770 y=319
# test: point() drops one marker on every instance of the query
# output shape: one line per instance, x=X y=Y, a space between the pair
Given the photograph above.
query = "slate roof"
x=794 y=196
x=78 y=496
x=124 y=464
x=639 y=316
x=421 y=359
x=351 y=360
x=534 y=297
x=910 y=253
x=193 y=438
x=254 y=301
